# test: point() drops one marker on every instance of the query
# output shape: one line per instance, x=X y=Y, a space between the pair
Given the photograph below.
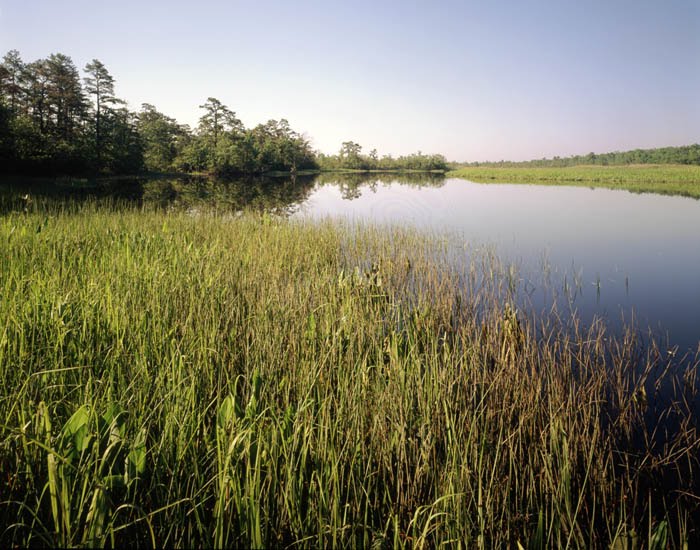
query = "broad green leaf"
x=112 y=420
x=227 y=410
x=76 y=428
x=252 y=407
x=137 y=455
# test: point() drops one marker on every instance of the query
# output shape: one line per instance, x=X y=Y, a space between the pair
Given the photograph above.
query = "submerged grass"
x=665 y=179
x=172 y=380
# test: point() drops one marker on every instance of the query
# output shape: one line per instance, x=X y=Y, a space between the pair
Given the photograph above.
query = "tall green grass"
x=175 y=380
x=643 y=178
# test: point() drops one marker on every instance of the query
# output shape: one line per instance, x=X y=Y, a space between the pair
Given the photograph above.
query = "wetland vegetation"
x=665 y=170
x=673 y=179
x=172 y=379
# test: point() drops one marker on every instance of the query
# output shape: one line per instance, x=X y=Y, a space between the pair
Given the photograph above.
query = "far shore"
x=669 y=179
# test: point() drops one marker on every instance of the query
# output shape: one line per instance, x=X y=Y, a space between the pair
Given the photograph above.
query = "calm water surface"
x=617 y=254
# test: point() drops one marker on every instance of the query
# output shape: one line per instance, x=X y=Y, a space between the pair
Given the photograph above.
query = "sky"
x=473 y=80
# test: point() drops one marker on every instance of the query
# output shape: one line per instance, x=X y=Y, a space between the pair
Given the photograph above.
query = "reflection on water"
x=276 y=195
x=612 y=254
x=598 y=252
x=279 y=195
x=352 y=185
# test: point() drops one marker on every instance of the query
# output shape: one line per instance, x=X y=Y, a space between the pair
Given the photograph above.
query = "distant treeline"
x=52 y=122
x=687 y=154
x=350 y=157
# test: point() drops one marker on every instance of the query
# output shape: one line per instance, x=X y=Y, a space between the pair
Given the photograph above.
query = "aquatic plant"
x=184 y=380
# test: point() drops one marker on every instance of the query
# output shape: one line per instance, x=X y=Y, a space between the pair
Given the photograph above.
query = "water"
x=611 y=254
x=604 y=253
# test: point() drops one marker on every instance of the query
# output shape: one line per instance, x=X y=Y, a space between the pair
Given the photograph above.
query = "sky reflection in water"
x=628 y=252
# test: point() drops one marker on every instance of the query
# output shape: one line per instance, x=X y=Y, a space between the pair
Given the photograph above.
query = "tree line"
x=55 y=121
x=687 y=154
x=350 y=157
x=52 y=121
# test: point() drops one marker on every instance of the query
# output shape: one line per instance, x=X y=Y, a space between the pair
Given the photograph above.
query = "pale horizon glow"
x=471 y=80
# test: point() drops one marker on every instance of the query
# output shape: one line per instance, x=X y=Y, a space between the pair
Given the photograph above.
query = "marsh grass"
x=644 y=178
x=178 y=380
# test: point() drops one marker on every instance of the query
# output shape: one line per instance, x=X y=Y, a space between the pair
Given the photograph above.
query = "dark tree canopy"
x=52 y=121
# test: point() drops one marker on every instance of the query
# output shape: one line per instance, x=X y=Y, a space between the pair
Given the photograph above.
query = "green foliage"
x=666 y=179
x=7 y=141
x=217 y=121
x=179 y=380
x=12 y=73
x=162 y=137
x=194 y=156
x=122 y=149
x=350 y=158
x=52 y=128
x=687 y=154
x=89 y=464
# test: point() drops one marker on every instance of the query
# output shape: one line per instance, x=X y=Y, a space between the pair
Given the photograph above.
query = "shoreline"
x=683 y=180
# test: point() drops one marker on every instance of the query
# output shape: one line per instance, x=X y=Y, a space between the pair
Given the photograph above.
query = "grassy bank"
x=189 y=381
x=666 y=179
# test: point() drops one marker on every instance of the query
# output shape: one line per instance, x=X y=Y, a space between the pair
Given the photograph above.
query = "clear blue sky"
x=474 y=80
